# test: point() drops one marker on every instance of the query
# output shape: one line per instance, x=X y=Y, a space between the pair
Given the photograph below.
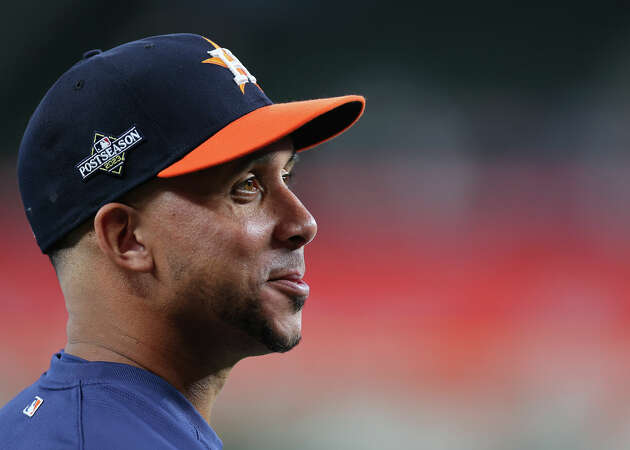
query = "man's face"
x=228 y=244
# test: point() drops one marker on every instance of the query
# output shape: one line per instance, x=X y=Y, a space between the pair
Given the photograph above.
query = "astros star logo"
x=224 y=58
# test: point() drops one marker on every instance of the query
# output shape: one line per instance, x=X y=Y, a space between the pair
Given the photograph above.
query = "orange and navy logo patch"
x=32 y=407
x=224 y=58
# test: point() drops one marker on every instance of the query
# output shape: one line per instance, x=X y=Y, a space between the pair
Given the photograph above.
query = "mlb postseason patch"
x=32 y=407
x=108 y=153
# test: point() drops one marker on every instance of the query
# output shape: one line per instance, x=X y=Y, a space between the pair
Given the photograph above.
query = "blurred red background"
x=500 y=301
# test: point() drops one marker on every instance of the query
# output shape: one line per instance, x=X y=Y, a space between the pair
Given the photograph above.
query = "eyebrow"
x=294 y=159
x=262 y=159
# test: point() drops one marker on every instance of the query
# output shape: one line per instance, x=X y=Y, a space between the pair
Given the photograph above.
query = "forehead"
x=265 y=155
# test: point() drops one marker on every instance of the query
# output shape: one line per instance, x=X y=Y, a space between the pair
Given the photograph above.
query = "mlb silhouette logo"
x=33 y=406
x=102 y=144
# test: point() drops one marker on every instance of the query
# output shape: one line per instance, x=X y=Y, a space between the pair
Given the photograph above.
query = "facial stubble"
x=240 y=310
x=250 y=318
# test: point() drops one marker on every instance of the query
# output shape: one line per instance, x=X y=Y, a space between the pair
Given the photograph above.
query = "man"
x=155 y=177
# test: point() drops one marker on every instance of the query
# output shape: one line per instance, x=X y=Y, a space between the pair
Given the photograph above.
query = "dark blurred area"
x=483 y=80
x=470 y=283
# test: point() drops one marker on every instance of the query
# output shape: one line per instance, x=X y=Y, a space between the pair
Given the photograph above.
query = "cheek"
x=241 y=249
x=253 y=234
x=229 y=242
x=190 y=234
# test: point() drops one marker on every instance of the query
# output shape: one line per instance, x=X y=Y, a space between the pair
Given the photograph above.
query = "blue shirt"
x=93 y=405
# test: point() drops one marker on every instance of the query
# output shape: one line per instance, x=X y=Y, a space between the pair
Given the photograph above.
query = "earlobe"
x=120 y=238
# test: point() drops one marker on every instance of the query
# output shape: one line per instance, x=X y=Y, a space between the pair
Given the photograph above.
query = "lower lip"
x=293 y=288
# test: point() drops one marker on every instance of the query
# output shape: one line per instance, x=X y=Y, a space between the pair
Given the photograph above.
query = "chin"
x=280 y=336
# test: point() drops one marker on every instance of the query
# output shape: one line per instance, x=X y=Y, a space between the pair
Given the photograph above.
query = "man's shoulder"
x=38 y=415
x=91 y=415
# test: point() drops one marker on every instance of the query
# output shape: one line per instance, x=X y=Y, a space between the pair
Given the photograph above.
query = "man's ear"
x=118 y=236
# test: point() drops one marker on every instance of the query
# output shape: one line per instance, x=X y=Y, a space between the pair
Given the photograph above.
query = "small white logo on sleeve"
x=32 y=408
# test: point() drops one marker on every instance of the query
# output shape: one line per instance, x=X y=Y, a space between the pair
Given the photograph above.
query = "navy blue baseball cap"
x=157 y=107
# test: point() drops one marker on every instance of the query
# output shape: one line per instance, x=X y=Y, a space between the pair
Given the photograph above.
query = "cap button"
x=91 y=53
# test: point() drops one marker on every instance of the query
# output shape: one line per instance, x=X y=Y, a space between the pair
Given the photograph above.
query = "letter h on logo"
x=241 y=74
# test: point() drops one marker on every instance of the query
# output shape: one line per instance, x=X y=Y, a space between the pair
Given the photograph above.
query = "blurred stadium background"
x=470 y=280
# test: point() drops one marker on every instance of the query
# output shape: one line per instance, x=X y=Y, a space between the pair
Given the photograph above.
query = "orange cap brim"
x=309 y=123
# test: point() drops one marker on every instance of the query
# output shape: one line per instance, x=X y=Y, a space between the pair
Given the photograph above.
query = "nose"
x=295 y=226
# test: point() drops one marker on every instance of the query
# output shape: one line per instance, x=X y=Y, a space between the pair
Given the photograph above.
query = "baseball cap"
x=162 y=106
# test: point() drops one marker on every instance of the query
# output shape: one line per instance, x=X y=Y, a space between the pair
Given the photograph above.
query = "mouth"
x=290 y=284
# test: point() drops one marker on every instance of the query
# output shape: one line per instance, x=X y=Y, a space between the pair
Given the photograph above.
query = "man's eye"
x=250 y=186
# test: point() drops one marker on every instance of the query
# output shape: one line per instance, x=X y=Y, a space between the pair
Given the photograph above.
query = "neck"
x=200 y=385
